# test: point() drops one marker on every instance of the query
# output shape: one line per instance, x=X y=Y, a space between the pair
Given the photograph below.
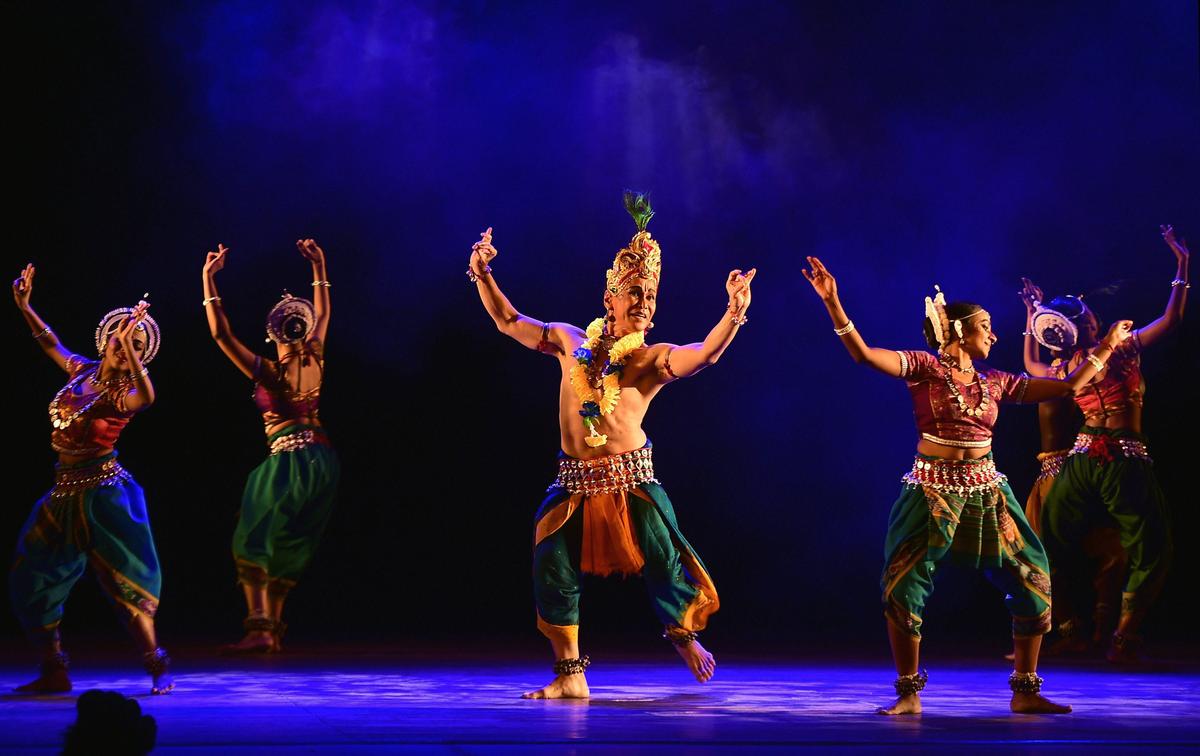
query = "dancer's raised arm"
x=42 y=334
x=551 y=338
x=1043 y=389
x=131 y=337
x=218 y=324
x=1031 y=296
x=1173 y=314
x=315 y=255
x=823 y=283
x=688 y=359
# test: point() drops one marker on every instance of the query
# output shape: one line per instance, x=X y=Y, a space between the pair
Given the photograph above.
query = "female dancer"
x=289 y=497
x=1108 y=476
x=955 y=505
x=95 y=513
x=1058 y=420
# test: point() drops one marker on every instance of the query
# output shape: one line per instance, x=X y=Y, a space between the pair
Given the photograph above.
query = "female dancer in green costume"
x=955 y=506
x=289 y=497
x=1108 y=478
x=96 y=513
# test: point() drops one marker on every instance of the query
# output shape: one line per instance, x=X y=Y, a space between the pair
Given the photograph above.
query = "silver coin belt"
x=1052 y=463
x=296 y=441
x=620 y=472
x=1130 y=448
x=956 y=476
x=69 y=481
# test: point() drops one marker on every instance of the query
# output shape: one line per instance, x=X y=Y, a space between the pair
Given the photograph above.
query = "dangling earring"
x=650 y=326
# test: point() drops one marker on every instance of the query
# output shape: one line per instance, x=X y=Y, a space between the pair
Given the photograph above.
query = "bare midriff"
x=74 y=459
x=1129 y=418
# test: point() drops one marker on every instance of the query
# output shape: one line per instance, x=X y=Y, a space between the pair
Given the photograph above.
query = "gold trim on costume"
x=565 y=633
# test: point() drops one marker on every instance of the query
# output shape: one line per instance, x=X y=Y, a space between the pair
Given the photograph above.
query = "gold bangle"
x=845 y=329
x=326 y=284
x=209 y=301
x=1096 y=362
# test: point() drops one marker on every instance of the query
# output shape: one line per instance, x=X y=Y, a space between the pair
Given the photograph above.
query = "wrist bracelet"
x=42 y=333
x=845 y=329
x=1096 y=362
x=209 y=300
x=474 y=277
x=738 y=320
x=1180 y=282
x=326 y=284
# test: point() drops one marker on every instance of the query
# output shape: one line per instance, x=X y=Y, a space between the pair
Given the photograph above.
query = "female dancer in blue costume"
x=96 y=513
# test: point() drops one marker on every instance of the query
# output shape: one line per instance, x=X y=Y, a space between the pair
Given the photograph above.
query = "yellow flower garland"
x=607 y=397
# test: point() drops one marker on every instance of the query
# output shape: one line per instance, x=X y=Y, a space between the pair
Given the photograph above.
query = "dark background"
x=907 y=144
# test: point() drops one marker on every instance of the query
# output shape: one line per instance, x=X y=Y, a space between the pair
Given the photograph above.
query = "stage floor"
x=359 y=704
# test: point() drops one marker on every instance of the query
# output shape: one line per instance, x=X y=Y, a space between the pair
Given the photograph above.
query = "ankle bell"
x=572 y=666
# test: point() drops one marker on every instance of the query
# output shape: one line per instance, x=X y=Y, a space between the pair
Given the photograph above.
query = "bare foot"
x=699 y=661
x=52 y=681
x=910 y=704
x=158 y=664
x=563 y=686
x=254 y=643
x=1124 y=650
x=163 y=683
x=1034 y=703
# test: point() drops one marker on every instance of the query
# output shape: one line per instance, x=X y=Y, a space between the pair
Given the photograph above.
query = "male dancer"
x=606 y=513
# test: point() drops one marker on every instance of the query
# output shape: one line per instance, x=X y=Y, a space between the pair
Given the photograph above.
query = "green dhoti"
x=286 y=505
x=95 y=514
x=1109 y=478
x=963 y=512
x=610 y=516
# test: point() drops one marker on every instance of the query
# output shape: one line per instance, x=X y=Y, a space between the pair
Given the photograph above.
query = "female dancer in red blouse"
x=288 y=498
x=1108 y=477
x=955 y=505
x=96 y=513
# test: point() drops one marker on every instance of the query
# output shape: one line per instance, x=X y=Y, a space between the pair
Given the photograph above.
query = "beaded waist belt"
x=297 y=441
x=69 y=481
x=957 y=476
x=1104 y=448
x=1052 y=463
x=620 y=472
x=978 y=444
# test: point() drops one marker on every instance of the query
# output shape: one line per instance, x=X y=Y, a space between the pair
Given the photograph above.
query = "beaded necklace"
x=61 y=418
x=985 y=398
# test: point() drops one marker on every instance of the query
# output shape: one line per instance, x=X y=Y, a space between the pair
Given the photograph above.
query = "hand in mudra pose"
x=482 y=253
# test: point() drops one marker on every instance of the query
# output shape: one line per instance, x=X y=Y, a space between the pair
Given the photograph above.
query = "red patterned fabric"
x=935 y=408
x=1121 y=388
x=97 y=429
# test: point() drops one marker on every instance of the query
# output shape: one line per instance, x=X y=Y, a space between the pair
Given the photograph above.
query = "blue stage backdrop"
x=962 y=144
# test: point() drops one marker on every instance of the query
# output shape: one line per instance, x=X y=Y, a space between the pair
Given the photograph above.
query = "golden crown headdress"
x=643 y=257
